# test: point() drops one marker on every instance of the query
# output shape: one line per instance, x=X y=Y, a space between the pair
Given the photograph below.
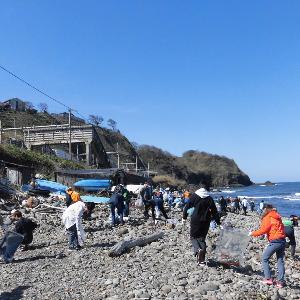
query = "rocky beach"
x=164 y=269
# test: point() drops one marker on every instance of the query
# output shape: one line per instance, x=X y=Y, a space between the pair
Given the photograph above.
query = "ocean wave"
x=261 y=197
x=292 y=198
x=228 y=192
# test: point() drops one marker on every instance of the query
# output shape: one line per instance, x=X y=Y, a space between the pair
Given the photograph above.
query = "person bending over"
x=25 y=227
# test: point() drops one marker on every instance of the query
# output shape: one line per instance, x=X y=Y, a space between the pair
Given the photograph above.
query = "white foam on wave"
x=260 y=197
x=295 y=197
x=292 y=198
x=228 y=192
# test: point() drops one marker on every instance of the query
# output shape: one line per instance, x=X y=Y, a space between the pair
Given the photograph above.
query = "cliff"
x=195 y=168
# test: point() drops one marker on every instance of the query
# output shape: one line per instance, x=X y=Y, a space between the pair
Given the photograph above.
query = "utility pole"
x=15 y=128
x=148 y=169
x=136 y=164
x=70 y=134
x=0 y=132
x=118 y=155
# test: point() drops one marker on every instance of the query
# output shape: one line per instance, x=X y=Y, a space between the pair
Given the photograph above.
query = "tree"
x=29 y=105
x=112 y=123
x=135 y=145
x=96 y=120
x=43 y=107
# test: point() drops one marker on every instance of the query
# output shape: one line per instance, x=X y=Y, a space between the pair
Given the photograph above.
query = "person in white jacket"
x=72 y=219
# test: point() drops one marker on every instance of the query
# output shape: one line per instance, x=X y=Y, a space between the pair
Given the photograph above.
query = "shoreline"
x=165 y=269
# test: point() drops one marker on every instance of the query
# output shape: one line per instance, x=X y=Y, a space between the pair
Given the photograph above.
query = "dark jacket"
x=26 y=227
x=290 y=234
x=205 y=210
x=146 y=193
x=117 y=200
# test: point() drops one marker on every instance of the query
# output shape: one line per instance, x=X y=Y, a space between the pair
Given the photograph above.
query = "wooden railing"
x=58 y=134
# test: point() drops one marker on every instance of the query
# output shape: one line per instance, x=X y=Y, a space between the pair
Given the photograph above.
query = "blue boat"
x=51 y=186
x=93 y=185
x=94 y=199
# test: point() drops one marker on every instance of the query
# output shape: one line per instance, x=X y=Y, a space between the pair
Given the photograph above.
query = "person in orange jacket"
x=273 y=227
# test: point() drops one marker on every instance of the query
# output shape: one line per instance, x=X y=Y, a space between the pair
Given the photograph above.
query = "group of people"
x=272 y=225
x=199 y=205
x=235 y=205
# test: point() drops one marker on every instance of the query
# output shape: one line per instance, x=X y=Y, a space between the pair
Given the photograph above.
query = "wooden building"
x=16 y=174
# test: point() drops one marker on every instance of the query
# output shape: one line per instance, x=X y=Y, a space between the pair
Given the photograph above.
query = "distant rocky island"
x=266 y=183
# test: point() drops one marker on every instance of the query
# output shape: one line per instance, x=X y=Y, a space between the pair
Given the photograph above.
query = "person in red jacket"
x=273 y=227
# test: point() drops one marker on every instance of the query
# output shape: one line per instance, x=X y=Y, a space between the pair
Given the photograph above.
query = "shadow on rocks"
x=94 y=229
x=247 y=270
x=103 y=245
x=15 y=294
x=33 y=258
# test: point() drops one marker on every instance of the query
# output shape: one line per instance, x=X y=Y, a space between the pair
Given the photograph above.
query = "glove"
x=250 y=233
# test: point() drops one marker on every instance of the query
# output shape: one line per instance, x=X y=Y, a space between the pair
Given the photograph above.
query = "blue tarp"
x=95 y=199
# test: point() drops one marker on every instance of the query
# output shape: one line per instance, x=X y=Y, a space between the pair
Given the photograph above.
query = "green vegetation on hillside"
x=42 y=163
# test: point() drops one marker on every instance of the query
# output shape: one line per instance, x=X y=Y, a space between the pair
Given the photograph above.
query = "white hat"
x=202 y=192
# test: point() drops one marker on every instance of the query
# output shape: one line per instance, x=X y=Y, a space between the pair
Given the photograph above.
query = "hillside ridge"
x=192 y=168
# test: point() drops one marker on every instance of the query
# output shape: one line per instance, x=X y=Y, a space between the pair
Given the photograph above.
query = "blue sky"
x=217 y=76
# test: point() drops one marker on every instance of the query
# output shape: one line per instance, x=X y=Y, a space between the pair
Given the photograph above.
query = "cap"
x=202 y=192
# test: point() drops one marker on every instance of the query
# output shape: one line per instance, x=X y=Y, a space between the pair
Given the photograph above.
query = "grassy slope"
x=43 y=163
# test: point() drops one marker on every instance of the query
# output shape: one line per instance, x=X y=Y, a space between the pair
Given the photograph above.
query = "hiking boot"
x=201 y=264
x=201 y=256
x=267 y=281
x=25 y=248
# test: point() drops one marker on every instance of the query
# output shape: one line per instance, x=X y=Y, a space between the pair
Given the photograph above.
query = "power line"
x=35 y=88
x=43 y=93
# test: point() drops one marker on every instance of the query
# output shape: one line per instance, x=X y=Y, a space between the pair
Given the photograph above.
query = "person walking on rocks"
x=117 y=203
x=72 y=219
x=127 y=196
x=290 y=234
x=146 y=194
x=25 y=227
x=272 y=226
x=223 y=205
x=252 y=205
x=159 y=206
x=204 y=211
x=261 y=206
x=245 y=205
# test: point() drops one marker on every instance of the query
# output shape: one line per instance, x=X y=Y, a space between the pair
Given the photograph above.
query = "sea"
x=285 y=196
